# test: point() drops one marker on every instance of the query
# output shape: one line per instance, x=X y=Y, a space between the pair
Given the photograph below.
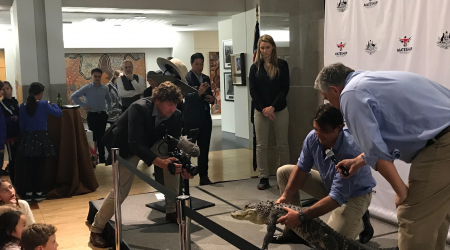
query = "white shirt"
x=26 y=210
x=139 y=87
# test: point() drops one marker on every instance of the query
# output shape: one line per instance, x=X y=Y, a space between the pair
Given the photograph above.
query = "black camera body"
x=183 y=158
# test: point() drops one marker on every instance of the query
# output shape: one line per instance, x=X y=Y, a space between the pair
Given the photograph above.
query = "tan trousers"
x=347 y=219
x=424 y=216
x=126 y=180
x=262 y=126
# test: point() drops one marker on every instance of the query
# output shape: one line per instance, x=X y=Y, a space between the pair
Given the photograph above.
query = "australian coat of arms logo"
x=371 y=47
x=342 y=5
x=444 y=41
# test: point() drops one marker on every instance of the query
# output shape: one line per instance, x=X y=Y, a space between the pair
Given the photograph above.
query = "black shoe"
x=288 y=237
x=28 y=196
x=40 y=196
x=263 y=184
x=367 y=233
x=205 y=181
x=97 y=240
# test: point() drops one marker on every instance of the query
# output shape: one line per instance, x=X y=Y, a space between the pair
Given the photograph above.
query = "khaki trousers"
x=126 y=180
x=262 y=128
x=424 y=216
x=346 y=220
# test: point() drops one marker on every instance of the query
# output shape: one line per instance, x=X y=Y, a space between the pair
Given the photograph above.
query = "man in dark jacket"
x=135 y=133
x=197 y=115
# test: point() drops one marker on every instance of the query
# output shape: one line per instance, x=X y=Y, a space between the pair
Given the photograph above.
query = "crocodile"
x=314 y=231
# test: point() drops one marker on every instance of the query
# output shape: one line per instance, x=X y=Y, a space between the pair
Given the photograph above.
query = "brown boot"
x=97 y=240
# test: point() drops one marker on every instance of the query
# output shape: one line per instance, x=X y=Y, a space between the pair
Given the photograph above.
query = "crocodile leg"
x=271 y=227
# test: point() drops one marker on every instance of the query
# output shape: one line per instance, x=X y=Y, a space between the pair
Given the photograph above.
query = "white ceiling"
x=146 y=18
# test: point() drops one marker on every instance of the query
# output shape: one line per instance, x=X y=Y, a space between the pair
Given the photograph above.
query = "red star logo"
x=405 y=41
x=340 y=46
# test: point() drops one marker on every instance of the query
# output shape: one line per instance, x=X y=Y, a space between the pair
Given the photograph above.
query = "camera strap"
x=171 y=168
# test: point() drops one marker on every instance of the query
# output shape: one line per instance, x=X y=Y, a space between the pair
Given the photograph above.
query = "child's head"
x=39 y=237
x=7 y=193
x=7 y=89
x=13 y=223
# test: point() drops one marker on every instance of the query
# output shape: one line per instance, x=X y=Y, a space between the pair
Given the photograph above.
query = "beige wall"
x=205 y=42
x=2 y=66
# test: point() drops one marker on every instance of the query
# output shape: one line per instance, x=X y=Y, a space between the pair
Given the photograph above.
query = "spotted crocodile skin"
x=316 y=232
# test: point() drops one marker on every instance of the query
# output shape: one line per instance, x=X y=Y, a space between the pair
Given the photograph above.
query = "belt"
x=442 y=133
x=97 y=112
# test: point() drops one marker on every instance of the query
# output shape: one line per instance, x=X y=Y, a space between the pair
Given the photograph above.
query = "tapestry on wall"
x=79 y=66
x=214 y=67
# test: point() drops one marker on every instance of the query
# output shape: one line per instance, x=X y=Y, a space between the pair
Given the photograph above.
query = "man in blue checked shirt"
x=399 y=115
x=97 y=103
x=346 y=199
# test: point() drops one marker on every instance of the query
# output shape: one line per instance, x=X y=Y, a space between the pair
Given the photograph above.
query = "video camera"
x=183 y=149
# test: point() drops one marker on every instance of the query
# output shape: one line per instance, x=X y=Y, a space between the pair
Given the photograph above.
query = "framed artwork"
x=79 y=66
x=227 y=52
x=228 y=86
x=214 y=74
x=238 y=69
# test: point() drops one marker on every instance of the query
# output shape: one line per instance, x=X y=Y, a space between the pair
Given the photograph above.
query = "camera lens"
x=192 y=169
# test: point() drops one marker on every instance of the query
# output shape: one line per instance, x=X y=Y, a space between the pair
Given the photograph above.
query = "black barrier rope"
x=217 y=229
x=220 y=231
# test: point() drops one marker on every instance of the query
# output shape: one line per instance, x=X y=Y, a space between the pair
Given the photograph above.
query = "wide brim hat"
x=173 y=67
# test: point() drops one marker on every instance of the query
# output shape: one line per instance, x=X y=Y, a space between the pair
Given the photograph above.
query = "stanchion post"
x=184 y=222
x=117 y=210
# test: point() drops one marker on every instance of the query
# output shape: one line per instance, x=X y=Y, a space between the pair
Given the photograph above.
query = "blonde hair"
x=273 y=69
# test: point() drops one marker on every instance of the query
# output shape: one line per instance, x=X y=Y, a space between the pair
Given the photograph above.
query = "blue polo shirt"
x=345 y=147
x=392 y=114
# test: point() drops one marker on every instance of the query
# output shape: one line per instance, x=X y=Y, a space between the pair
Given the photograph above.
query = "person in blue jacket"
x=10 y=108
x=35 y=145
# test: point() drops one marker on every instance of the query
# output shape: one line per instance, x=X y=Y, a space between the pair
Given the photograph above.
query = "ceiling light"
x=140 y=17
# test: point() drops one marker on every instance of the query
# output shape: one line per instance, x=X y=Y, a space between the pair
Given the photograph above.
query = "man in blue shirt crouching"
x=347 y=199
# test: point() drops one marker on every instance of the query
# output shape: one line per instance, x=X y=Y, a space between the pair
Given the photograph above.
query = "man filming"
x=136 y=131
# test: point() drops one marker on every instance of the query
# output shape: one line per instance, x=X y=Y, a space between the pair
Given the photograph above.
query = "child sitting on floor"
x=8 y=196
x=12 y=224
x=39 y=237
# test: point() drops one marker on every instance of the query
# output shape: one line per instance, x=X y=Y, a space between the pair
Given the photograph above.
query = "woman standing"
x=116 y=101
x=269 y=86
x=10 y=108
x=36 y=144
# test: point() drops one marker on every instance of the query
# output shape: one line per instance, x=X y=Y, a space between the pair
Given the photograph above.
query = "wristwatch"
x=301 y=217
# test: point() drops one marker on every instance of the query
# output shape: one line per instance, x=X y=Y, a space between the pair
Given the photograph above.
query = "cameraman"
x=144 y=123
